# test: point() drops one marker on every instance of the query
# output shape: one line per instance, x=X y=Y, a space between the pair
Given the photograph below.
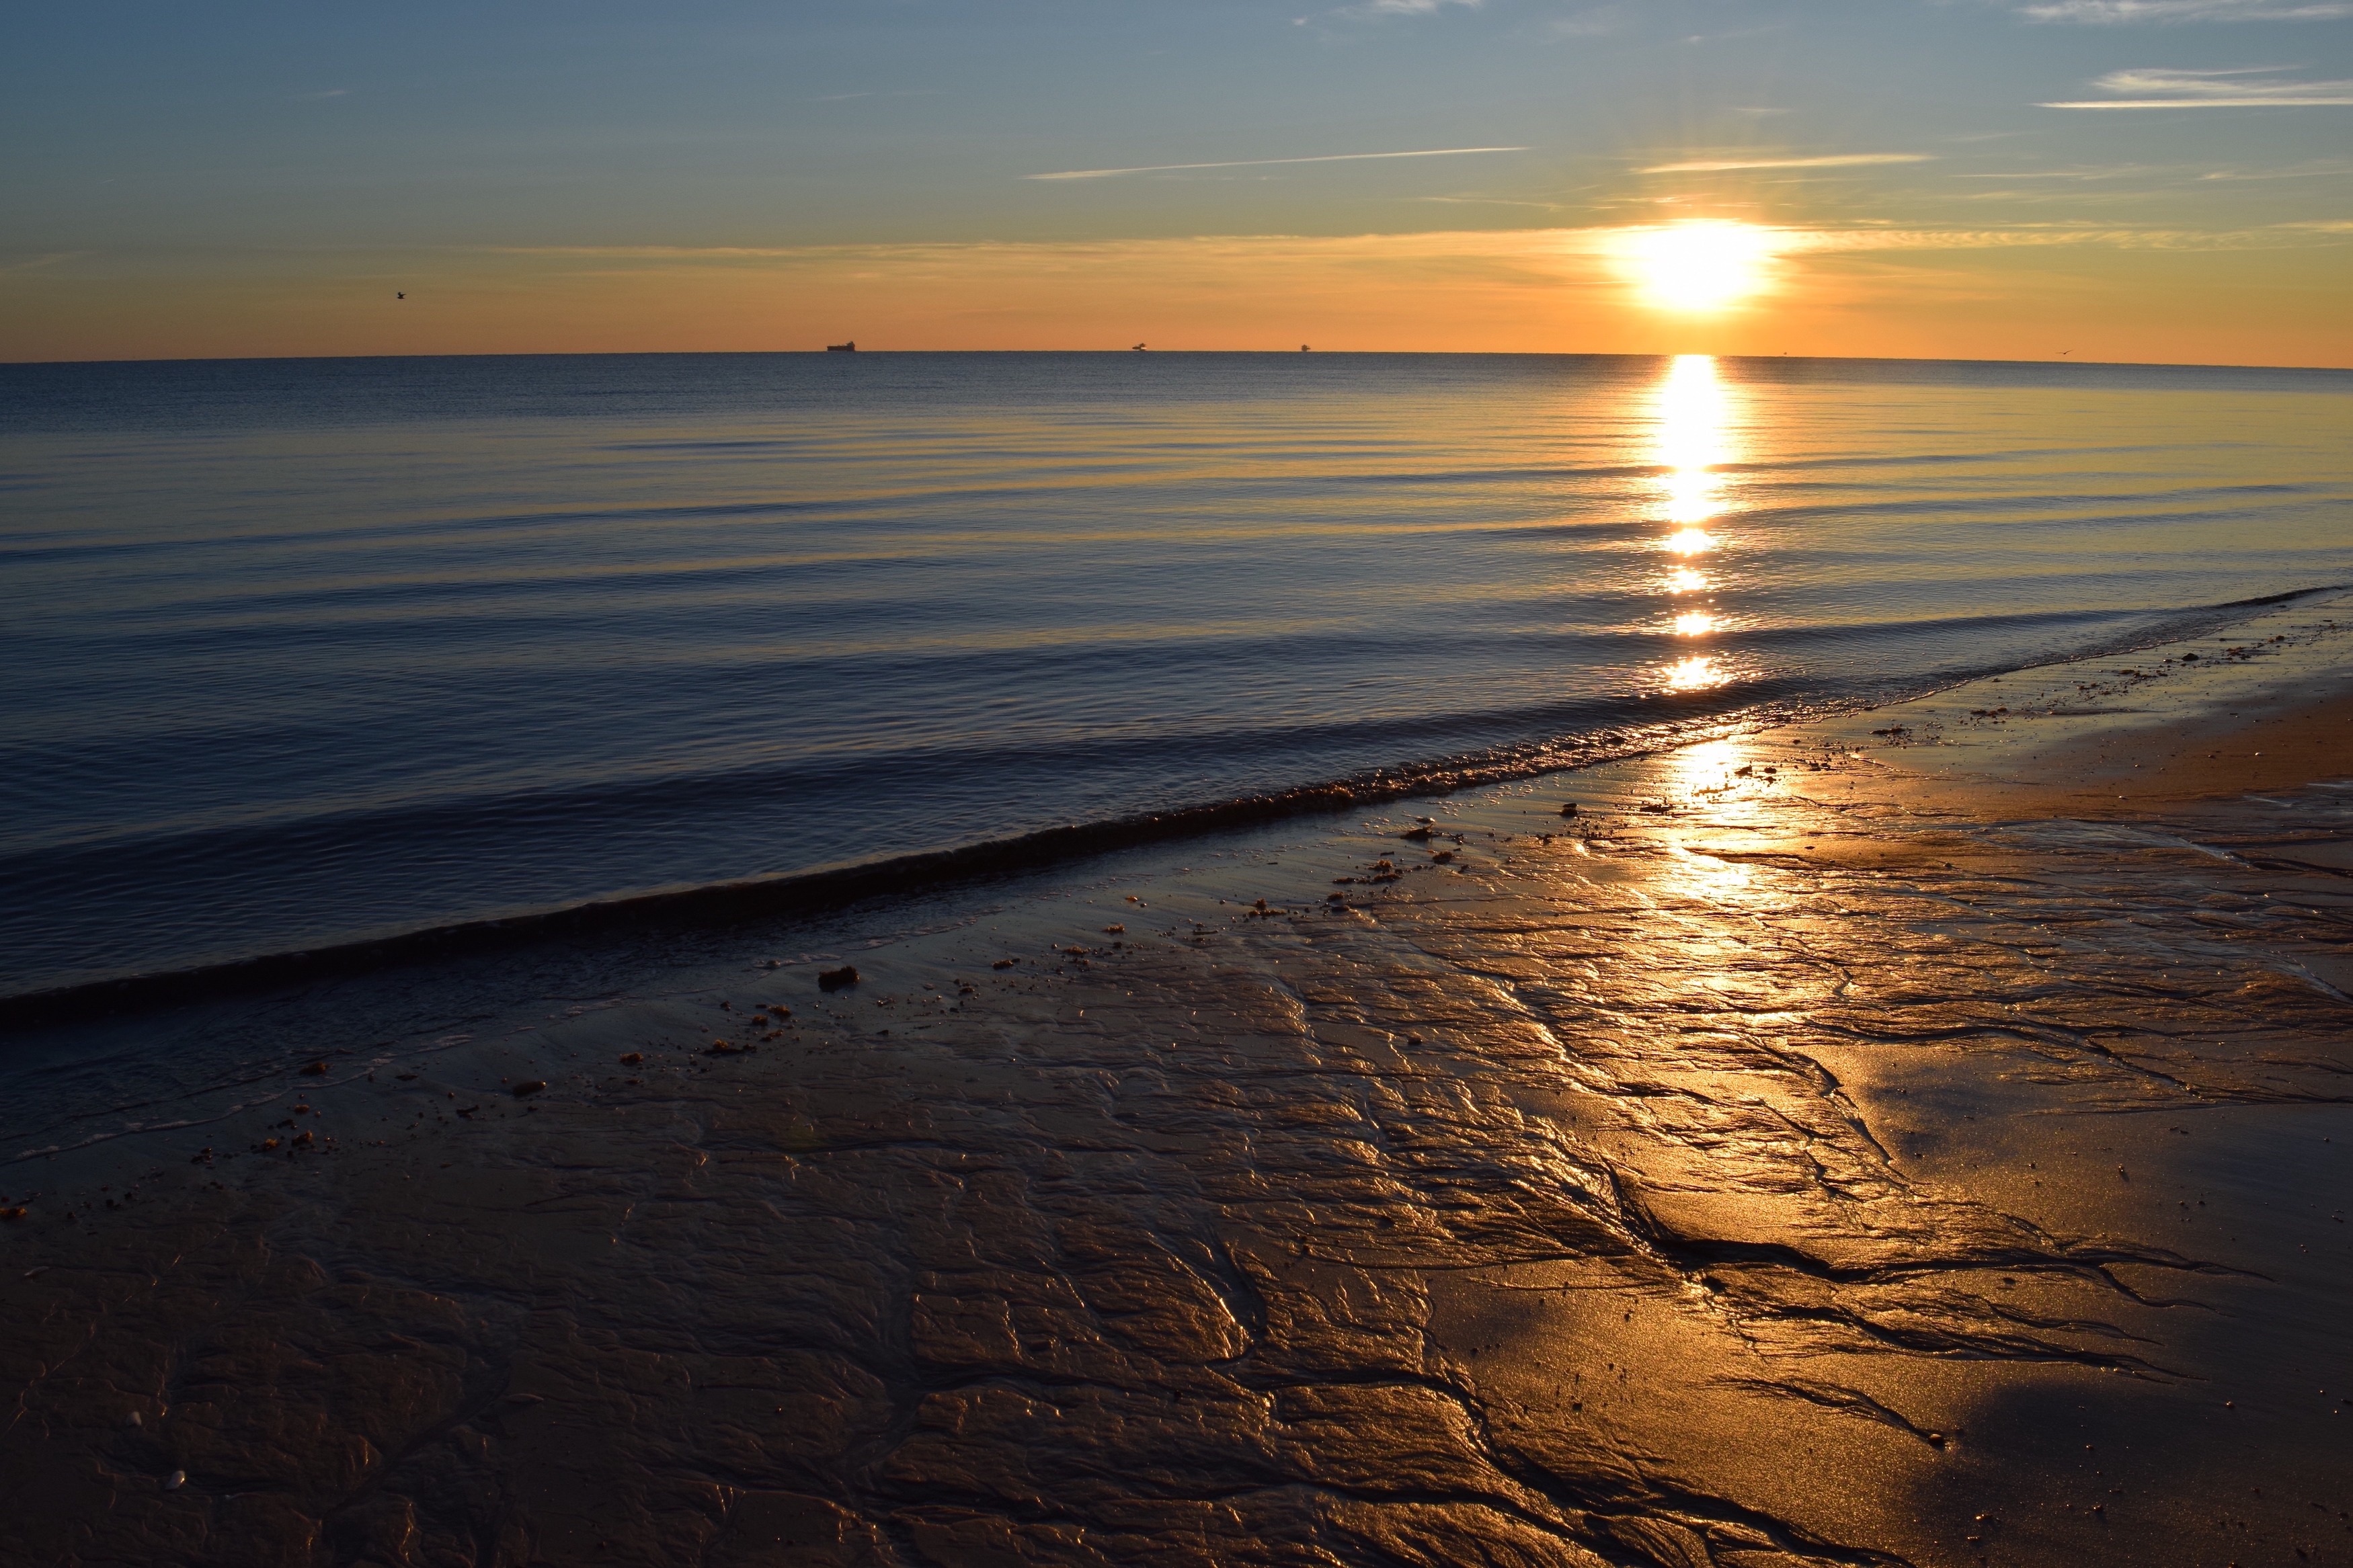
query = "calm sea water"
x=301 y=651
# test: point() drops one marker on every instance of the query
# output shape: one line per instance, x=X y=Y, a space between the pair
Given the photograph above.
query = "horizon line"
x=1274 y=353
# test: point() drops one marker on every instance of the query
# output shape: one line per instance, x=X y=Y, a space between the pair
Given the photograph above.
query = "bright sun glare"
x=1700 y=266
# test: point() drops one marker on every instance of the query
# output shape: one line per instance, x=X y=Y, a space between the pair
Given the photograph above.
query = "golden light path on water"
x=1691 y=442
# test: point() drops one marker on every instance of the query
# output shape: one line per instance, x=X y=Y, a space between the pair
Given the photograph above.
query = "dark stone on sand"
x=834 y=979
x=1416 y=834
x=632 y=1058
x=528 y=1085
x=1570 y=809
x=316 y=1070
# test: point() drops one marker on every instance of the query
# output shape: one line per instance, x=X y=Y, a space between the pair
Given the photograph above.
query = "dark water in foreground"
x=298 y=652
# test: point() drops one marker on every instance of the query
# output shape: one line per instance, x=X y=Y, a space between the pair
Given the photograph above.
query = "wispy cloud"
x=1263 y=163
x=2105 y=172
x=2315 y=169
x=2245 y=87
x=1595 y=22
x=2113 y=12
x=34 y=263
x=1403 y=7
x=1833 y=161
x=329 y=93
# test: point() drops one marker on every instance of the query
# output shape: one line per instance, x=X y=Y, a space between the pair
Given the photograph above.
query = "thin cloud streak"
x=2112 y=13
x=1530 y=246
x=1262 y=163
x=2230 y=89
x=1836 y=161
x=2205 y=103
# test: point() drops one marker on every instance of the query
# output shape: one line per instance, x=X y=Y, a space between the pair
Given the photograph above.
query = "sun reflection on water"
x=1696 y=673
x=1691 y=444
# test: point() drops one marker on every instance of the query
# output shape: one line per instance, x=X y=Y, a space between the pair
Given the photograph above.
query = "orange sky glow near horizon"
x=1706 y=287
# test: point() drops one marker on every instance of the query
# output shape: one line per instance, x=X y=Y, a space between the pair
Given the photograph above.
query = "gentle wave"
x=304 y=654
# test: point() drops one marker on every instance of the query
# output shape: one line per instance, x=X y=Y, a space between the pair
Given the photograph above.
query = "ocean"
x=306 y=653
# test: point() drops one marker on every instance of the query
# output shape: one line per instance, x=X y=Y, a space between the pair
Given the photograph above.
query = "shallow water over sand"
x=1798 y=1173
x=303 y=652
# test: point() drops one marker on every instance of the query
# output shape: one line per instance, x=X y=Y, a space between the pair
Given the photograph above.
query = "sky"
x=2157 y=181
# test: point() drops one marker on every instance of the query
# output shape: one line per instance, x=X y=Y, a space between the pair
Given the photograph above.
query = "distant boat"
x=1139 y=348
x=848 y=348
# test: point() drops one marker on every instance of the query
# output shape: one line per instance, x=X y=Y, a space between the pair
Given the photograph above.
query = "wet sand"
x=1915 y=1137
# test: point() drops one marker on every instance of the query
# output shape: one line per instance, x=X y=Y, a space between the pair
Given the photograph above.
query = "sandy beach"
x=1919 y=1136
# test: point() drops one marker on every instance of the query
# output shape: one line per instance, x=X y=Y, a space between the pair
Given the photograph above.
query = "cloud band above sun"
x=1833 y=161
x=1262 y=163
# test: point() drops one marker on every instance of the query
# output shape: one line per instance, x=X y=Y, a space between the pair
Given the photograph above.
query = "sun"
x=1699 y=266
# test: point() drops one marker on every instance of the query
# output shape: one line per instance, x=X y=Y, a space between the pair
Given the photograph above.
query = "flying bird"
x=400 y=296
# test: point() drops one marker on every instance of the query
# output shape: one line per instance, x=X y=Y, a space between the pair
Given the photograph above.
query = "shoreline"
x=815 y=893
x=1825 y=1147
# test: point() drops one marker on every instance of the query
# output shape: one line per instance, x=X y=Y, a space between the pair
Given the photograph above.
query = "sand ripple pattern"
x=1657 y=1196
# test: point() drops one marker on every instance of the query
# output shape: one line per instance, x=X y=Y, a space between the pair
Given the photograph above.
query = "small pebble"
x=175 y=1480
